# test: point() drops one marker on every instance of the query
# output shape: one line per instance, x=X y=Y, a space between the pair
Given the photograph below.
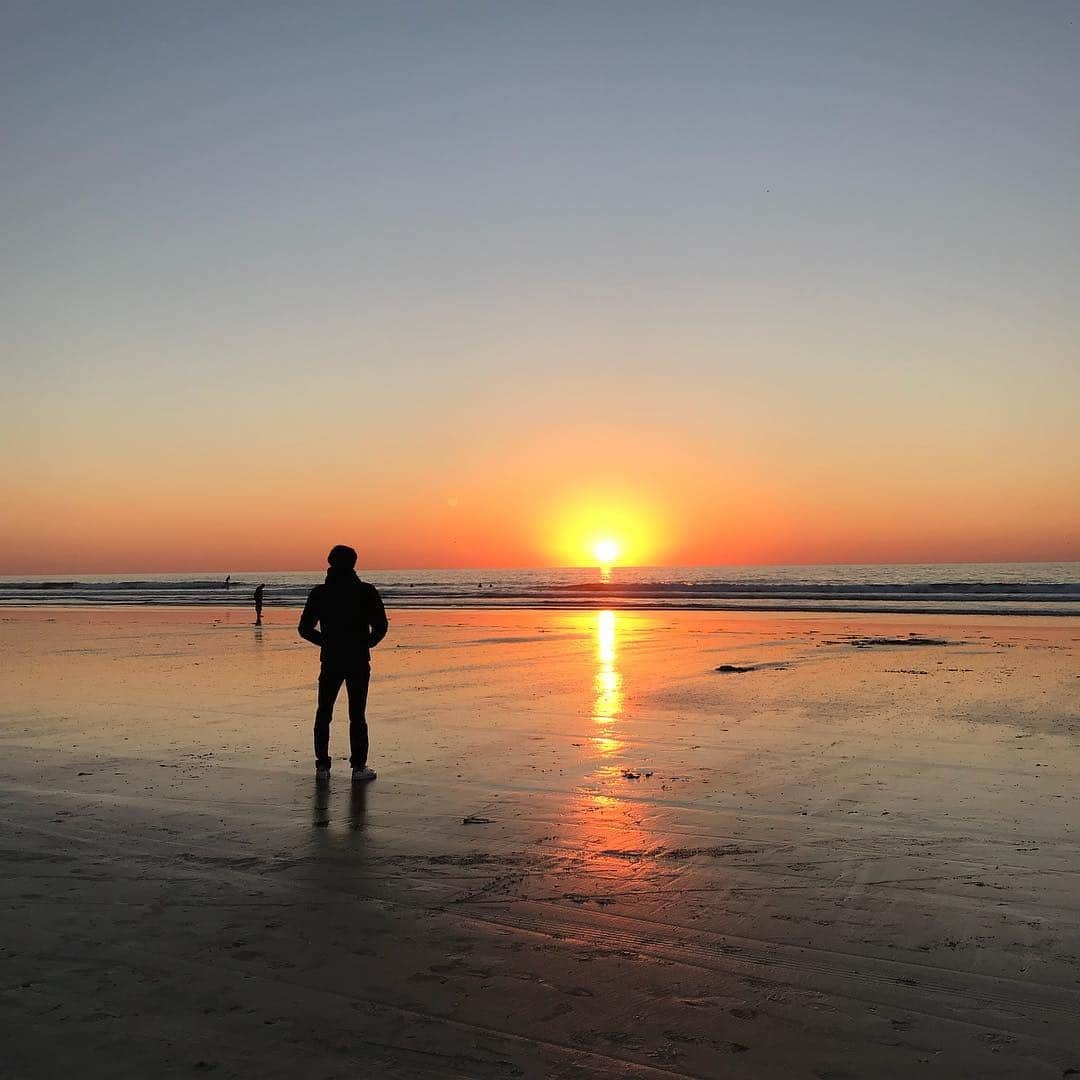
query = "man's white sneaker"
x=361 y=776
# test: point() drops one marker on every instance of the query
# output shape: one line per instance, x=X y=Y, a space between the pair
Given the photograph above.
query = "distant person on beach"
x=228 y=580
x=258 y=604
x=351 y=621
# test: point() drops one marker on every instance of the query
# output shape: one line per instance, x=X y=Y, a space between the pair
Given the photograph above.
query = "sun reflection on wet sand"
x=607 y=828
x=608 y=685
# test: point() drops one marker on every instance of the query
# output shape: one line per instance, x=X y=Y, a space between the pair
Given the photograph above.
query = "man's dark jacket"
x=351 y=620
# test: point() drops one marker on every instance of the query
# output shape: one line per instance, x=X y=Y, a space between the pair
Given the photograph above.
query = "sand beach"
x=604 y=844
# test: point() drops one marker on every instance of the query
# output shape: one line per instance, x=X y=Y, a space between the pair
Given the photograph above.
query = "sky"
x=475 y=284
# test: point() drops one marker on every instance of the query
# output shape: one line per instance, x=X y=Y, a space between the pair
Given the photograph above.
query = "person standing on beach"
x=351 y=621
x=258 y=604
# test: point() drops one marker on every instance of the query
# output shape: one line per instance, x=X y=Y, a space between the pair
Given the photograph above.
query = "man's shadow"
x=358 y=794
x=322 y=799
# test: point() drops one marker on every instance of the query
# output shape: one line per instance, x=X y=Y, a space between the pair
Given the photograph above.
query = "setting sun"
x=604 y=527
x=606 y=551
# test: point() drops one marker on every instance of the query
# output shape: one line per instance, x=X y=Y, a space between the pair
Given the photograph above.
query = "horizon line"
x=213 y=572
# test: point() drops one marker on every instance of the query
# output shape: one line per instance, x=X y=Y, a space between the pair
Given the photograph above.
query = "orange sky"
x=472 y=290
x=678 y=499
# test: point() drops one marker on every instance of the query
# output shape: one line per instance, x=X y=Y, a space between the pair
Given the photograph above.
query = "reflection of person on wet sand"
x=351 y=621
x=258 y=598
x=357 y=811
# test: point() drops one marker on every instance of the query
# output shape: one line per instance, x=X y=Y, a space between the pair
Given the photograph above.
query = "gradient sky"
x=468 y=284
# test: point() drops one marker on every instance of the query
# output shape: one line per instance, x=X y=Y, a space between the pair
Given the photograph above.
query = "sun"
x=606 y=551
x=605 y=529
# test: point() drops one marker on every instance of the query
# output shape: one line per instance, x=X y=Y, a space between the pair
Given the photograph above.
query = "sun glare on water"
x=606 y=552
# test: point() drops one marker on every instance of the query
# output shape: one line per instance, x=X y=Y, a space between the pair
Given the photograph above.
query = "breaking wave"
x=1005 y=588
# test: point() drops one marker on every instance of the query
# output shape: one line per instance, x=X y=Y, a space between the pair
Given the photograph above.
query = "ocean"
x=964 y=588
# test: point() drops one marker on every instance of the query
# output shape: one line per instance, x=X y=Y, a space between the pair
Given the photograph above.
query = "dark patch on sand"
x=741 y=669
x=889 y=642
x=716 y=852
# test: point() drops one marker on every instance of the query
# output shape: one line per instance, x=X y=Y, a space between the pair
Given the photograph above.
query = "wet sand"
x=588 y=852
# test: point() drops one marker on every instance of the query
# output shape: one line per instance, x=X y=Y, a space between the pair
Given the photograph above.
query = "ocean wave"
x=935 y=590
x=1000 y=589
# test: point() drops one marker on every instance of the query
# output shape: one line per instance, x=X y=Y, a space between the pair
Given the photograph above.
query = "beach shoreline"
x=610 y=843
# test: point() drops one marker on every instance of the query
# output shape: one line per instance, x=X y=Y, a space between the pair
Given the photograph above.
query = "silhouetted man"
x=258 y=604
x=351 y=621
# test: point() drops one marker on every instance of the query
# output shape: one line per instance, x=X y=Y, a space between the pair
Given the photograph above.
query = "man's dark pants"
x=356 y=680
